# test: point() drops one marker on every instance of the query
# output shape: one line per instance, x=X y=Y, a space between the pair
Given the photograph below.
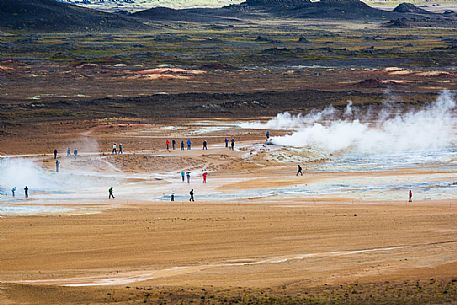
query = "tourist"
x=204 y=175
x=110 y=191
x=188 y=176
x=300 y=170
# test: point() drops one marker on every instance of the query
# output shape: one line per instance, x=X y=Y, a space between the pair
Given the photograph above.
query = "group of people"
x=185 y=175
x=191 y=199
x=171 y=144
x=117 y=149
x=26 y=192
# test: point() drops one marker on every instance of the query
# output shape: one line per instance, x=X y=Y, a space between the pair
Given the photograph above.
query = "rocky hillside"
x=49 y=15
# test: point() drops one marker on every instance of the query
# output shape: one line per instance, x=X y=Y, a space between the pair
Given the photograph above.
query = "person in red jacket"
x=204 y=175
x=168 y=144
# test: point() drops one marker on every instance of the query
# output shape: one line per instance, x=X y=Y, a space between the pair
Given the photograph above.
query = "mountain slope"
x=49 y=15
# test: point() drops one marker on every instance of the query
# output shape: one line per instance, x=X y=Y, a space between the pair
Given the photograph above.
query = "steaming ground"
x=345 y=224
x=398 y=149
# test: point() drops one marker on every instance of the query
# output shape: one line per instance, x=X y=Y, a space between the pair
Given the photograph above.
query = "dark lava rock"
x=410 y=8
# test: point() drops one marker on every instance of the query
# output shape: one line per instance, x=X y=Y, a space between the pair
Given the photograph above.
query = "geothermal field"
x=265 y=152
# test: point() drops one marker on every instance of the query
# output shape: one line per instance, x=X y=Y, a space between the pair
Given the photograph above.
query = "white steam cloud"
x=430 y=128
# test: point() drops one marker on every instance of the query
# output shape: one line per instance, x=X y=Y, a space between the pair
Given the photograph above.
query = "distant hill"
x=324 y=9
x=50 y=15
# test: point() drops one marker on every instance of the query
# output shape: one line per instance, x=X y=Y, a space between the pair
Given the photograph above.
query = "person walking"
x=57 y=166
x=68 y=152
x=267 y=134
x=410 y=196
x=191 y=199
x=232 y=144
x=121 y=149
x=299 y=170
x=172 y=197
x=167 y=143
x=205 y=145
x=183 y=175
x=55 y=154
x=226 y=142
x=173 y=144
x=188 y=176
x=205 y=175
x=114 y=150
x=189 y=144
x=26 y=191
x=182 y=144
x=110 y=191
x=75 y=152
x=13 y=191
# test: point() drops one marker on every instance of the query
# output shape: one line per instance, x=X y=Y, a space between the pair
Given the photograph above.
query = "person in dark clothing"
x=267 y=134
x=110 y=191
x=173 y=197
x=182 y=145
x=13 y=191
x=121 y=149
x=26 y=191
x=173 y=144
x=205 y=145
x=188 y=177
x=232 y=144
x=75 y=152
x=68 y=152
x=55 y=154
x=192 y=196
x=226 y=142
x=57 y=166
x=410 y=196
x=299 y=170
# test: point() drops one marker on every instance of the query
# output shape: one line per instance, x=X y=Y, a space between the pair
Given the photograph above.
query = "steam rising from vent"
x=430 y=128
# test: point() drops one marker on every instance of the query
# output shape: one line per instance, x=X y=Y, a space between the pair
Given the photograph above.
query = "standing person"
x=267 y=134
x=299 y=170
x=226 y=142
x=13 y=191
x=110 y=191
x=26 y=191
x=232 y=144
x=188 y=176
x=173 y=144
x=167 y=142
x=204 y=175
x=68 y=152
x=182 y=144
x=114 y=150
x=205 y=145
x=189 y=144
x=172 y=197
x=183 y=175
x=121 y=149
x=57 y=166
x=75 y=152
x=55 y=154
x=191 y=195
x=410 y=196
